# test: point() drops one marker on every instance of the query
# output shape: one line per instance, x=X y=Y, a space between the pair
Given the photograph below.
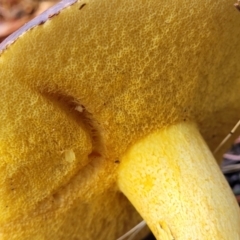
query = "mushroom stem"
x=173 y=180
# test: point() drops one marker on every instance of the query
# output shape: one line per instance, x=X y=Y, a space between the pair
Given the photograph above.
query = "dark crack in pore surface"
x=75 y=110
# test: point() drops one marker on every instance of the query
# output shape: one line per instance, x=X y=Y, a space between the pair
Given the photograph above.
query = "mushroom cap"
x=86 y=81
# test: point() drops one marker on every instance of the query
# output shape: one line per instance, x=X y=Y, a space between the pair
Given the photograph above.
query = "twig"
x=133 y=230
x=227 y=137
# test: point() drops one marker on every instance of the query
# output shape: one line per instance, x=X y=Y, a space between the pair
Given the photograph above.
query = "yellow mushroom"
x=104 y=97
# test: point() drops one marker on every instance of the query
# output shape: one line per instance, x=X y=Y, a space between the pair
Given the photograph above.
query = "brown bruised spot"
x=41 y=19
x=82 y=6
x=40 y=23
x=52 y=15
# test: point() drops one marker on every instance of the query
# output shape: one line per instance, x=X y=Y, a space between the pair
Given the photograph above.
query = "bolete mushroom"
x=103 y=97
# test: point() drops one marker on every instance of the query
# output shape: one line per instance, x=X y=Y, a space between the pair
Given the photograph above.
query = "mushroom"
x=100 y=98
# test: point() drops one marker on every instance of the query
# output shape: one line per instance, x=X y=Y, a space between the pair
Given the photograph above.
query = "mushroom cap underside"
x=117 y=70
x=139 y=67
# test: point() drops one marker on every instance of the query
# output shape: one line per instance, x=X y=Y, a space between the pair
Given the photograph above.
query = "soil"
x=15 y=13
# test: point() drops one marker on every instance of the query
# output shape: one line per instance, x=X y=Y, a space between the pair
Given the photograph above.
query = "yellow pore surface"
x=79 y=89
x=134 y=65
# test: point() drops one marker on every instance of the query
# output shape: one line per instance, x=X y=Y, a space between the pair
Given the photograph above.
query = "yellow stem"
x=174 y=182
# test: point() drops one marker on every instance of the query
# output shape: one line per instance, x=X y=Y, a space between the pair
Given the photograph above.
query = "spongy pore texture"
x=79 y=89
